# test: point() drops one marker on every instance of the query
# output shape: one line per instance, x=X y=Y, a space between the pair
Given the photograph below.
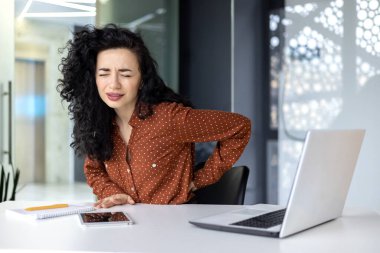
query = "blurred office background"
x=288 y=65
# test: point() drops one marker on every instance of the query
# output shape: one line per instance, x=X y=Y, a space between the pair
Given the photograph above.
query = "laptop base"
x=239 y=230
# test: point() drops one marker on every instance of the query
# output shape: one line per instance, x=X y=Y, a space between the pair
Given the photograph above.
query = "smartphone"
x=105 y=218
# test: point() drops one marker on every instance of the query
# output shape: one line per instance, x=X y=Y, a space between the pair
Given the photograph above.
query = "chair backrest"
x=229 y=190
x=8 y=182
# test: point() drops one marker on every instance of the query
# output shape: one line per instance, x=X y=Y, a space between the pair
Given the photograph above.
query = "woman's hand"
x=117 y=199
x=192 y=187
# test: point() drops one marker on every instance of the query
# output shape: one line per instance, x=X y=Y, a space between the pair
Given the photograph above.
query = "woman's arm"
x=231 y=131
x=98 y=179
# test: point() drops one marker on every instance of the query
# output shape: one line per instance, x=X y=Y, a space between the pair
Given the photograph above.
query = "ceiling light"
x=69 y=5
x=81 y=1
x=60 y=14
x=25 y=10
x=85 y=10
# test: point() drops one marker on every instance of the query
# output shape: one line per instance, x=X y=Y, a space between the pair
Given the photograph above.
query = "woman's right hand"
x=192 y=187
x=113 y=200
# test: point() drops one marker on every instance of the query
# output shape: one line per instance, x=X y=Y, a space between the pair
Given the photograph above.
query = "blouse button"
x=129 y=171
x=154 y=165
x=133 y=189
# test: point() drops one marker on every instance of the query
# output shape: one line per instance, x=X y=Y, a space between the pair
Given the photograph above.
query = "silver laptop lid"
x=323 y=178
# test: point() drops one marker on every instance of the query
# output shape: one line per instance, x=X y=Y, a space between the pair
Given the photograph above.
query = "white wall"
x=6 y=70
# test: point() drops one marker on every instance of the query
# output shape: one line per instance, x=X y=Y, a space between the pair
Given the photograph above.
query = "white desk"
x=166 y=229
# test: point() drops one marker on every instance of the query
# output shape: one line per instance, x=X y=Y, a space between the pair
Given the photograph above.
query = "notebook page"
x=50 y=213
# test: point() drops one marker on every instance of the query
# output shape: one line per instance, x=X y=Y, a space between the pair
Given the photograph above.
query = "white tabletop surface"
x=166 y=229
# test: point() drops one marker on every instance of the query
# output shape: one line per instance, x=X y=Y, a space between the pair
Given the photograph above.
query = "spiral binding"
x=56 y=213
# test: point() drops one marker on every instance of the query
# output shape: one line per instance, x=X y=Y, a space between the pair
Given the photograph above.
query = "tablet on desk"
x=105 y=218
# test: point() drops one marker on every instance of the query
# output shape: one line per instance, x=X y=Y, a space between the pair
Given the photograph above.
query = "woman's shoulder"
x=167 y=107
x=163 y=113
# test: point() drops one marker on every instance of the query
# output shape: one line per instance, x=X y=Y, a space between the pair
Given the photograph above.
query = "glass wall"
x=156 y=21
x=325 y=66
x=29 y=118
x=41 y=129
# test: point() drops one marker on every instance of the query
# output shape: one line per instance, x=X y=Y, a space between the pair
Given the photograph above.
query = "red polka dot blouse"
x=156 y=166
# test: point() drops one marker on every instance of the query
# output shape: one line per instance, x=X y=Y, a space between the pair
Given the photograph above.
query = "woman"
x=137 y=134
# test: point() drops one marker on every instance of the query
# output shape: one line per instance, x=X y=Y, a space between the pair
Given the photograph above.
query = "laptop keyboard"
x=263 y=221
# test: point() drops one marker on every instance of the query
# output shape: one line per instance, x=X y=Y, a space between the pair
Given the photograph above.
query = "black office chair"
x=229 y=190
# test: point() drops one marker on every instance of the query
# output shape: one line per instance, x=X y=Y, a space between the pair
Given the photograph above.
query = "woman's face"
x=118 y=78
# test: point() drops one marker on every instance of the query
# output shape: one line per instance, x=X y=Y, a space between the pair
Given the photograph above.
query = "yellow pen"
x=36 y=208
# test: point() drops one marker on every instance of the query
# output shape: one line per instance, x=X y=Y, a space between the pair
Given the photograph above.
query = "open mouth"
x=114 y=96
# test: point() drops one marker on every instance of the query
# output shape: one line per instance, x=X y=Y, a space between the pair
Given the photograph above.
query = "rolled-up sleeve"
x=231 y=131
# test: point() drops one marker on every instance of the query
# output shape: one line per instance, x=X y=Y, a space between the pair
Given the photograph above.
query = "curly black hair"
x=93 y=127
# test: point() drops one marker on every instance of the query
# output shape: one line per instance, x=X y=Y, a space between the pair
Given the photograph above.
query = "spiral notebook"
x=51 y=213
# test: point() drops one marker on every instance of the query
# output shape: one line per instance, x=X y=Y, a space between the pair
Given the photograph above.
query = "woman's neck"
x=124 y=115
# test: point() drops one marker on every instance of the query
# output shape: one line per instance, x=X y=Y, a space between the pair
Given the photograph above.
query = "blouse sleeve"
x=231 y=131
x=98 y=179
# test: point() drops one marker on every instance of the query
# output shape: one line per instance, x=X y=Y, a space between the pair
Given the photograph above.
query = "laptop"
x=318 y=193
